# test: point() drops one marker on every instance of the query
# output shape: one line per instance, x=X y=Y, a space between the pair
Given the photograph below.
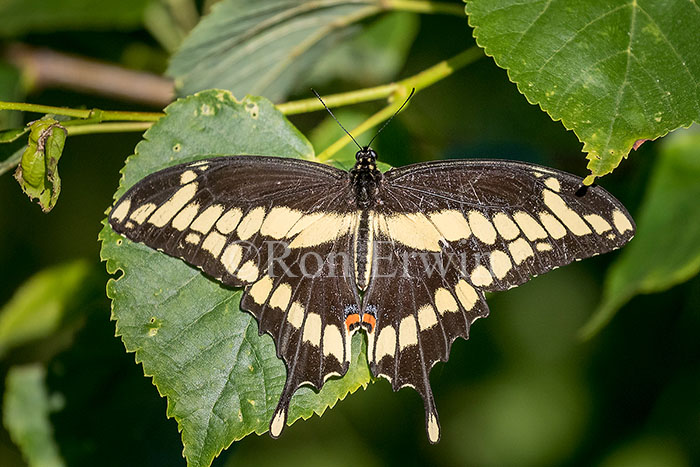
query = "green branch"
x=91 y=121
x=418 y=81
x=371 y=122
x=97 y=114
x=113 y=127
x=397 y=92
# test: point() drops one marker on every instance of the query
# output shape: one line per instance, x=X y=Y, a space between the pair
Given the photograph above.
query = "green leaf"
x=372 y=57
x=26 y=409
x=41 y=304
x=221 y=379
x=263 y=47
x=615 y=72
x=26 y=16
x=37 y=172
x=666 y=250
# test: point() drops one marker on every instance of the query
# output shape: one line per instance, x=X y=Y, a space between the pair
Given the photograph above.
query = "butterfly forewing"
x=268 y=224
x=504 y=221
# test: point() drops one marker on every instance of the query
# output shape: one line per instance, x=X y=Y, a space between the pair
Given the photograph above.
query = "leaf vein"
x=579 y=31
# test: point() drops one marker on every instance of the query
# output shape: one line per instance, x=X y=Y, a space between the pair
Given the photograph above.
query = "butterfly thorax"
x=365 y=177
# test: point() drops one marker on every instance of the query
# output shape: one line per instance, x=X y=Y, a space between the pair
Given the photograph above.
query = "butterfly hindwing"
x=269 y=225
x=418 y=316
x=303 y=309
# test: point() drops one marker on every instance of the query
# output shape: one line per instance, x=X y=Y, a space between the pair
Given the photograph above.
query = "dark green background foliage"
x=526 y=389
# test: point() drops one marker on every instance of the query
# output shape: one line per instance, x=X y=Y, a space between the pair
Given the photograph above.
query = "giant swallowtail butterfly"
x=404 y=256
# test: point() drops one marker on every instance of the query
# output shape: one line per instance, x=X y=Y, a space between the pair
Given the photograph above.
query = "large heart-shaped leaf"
x=614 y=71
x=666 y=250
x=221 y=379
x=262 y=47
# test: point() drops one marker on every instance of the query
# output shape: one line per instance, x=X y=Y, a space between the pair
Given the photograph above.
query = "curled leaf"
x=37 y=172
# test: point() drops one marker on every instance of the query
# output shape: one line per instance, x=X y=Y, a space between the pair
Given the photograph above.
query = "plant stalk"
x=418 y=81
x=101 y=115
x=395 y=92
x=111 y=127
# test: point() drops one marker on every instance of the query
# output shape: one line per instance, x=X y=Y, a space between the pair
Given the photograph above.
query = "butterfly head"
x=366 y=160
x=366 y=155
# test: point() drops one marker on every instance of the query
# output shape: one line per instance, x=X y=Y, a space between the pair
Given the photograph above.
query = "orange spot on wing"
x=369 y=319
x=351 y=319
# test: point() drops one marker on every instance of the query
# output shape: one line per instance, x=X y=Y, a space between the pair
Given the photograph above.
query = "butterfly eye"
x=582 y=190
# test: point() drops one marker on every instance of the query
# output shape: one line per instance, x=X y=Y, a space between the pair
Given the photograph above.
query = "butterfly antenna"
x=334 y=118
x=392 y=117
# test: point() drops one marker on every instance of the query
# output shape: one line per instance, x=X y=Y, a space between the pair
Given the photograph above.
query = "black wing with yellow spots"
x=273 y=226
x=405 y=256
x=446 y=232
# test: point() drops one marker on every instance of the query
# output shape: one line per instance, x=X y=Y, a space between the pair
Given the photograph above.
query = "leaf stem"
x=442 y=70
x=337 y=100
x=102 y=115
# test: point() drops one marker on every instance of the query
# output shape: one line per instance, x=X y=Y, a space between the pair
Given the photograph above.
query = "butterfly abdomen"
x=363 y=250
